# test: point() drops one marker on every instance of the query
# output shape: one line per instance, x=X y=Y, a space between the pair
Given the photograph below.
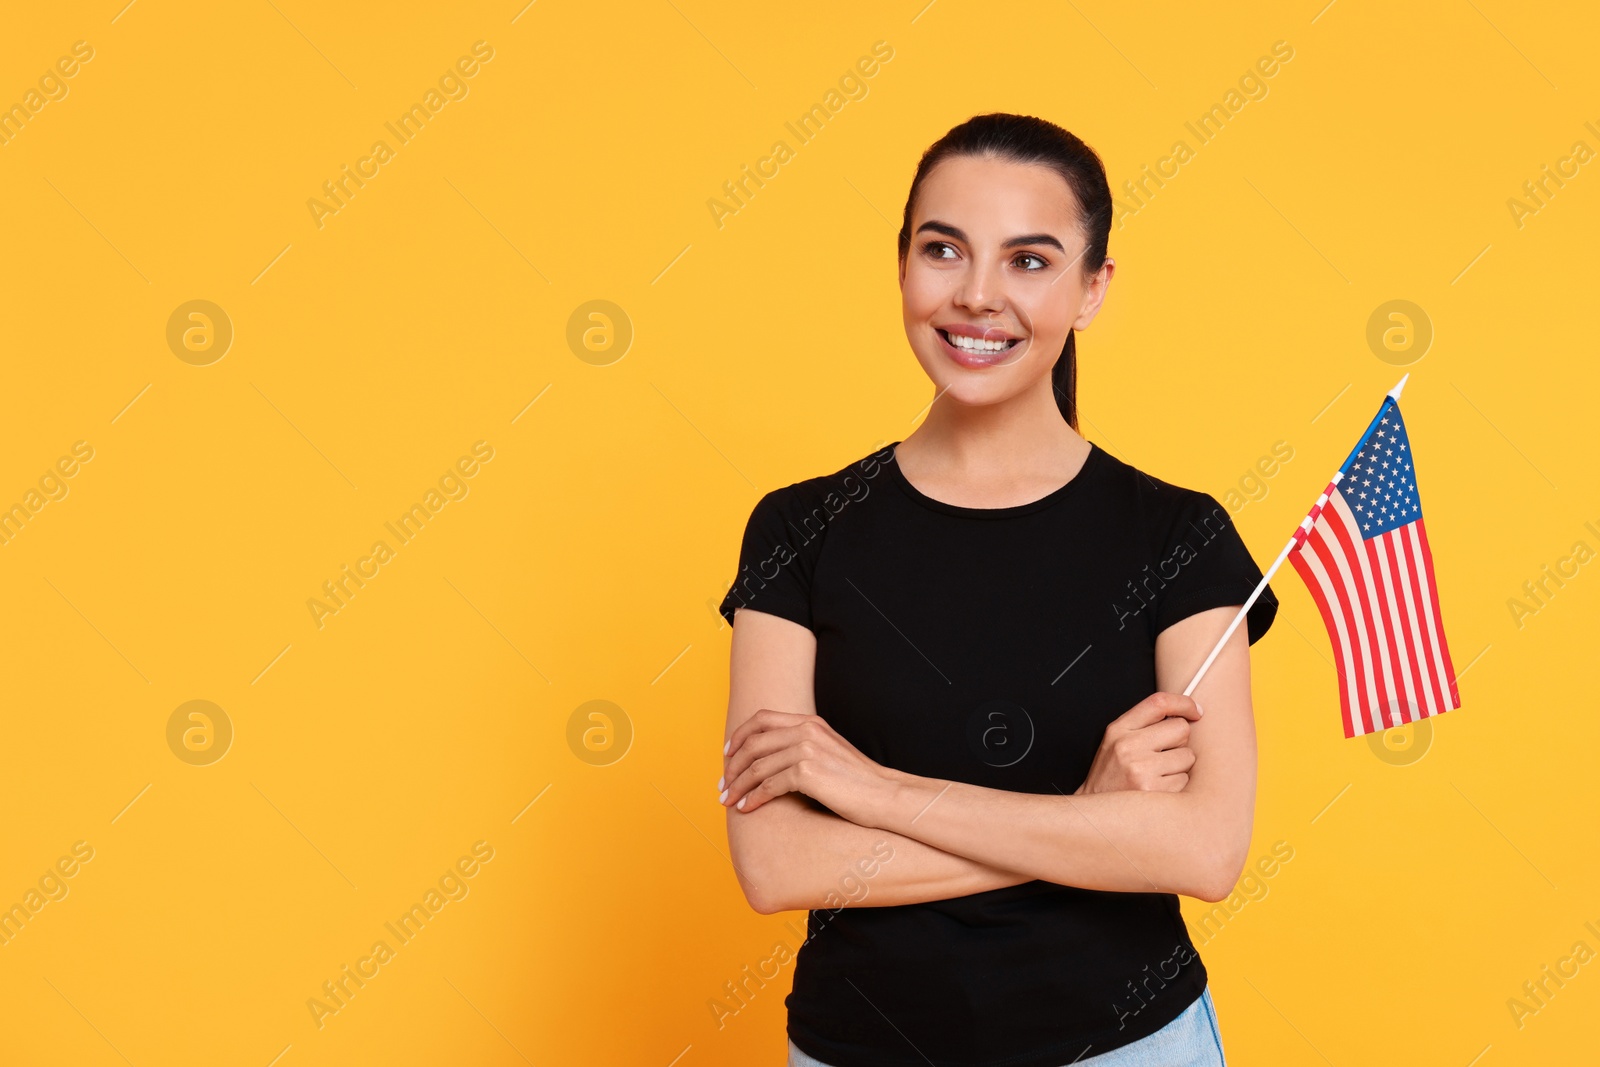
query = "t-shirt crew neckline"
x=1091 y=463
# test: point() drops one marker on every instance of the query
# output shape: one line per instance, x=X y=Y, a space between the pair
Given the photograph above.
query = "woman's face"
x=994 y=277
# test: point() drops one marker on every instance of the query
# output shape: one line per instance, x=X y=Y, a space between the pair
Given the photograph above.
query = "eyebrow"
x=1014 y=242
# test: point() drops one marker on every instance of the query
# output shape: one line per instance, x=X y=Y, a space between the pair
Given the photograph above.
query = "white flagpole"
x=1294 y=542
x=1237 y=619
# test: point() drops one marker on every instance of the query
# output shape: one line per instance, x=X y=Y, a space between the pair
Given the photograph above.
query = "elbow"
x=1212 y=892
x=765 y=905
x=768 y=899
x=1219 y=871
x=762 y=889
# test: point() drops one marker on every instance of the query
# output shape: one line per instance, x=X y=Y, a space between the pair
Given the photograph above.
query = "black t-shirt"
x=991 y=646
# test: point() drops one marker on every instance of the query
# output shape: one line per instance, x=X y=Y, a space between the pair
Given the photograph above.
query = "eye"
x=934 y=247
x=1037 y=259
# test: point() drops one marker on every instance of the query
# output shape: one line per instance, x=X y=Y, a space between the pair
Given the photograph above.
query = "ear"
x=1094 y=294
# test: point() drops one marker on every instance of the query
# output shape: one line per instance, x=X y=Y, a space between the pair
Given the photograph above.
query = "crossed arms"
x=1130 y=828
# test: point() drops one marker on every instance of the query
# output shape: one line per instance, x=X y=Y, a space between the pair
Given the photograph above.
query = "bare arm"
x=1191 y=841
x=789 y=854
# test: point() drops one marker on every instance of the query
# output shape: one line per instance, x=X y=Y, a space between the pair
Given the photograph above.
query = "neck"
x=1024 y=433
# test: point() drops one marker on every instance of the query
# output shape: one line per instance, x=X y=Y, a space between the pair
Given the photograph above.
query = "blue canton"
x=1379 y=483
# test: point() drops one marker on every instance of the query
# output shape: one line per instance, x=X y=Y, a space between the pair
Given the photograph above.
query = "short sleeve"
x=777 y=557
x=1205 y=564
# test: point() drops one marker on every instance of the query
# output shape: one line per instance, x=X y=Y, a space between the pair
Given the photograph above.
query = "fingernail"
x=740 y=805
x=727 y=745
x=1198 y=708
x=723 y=799
x=722 y=781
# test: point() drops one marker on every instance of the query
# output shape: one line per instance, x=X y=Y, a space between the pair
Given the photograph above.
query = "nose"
x=982 y=290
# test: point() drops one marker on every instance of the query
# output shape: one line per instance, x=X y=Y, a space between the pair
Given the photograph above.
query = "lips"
x=969 y=357
x=984 y=333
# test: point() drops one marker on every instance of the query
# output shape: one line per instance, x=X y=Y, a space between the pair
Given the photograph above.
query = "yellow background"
x=586 y=560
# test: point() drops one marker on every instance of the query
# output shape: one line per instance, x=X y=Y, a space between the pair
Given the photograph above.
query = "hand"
x=778 y=752
x=1146 y=748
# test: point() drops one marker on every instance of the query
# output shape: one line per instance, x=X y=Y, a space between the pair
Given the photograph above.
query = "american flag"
x=1363 y=553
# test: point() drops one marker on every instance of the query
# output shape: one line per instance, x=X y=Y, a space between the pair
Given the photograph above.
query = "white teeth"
x=973 y=344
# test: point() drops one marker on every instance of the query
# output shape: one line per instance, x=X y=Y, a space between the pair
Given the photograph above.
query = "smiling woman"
x=936 y=671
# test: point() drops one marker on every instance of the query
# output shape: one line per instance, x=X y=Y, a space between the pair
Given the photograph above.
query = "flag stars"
x=1380 y=486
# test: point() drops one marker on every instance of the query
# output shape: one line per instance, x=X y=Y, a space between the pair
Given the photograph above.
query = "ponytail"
x=1064 y=379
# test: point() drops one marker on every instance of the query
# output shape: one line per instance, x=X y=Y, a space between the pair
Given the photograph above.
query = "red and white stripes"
x=1380 y=605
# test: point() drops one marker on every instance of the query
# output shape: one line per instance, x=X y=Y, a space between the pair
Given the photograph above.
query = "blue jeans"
x=1190 y=1040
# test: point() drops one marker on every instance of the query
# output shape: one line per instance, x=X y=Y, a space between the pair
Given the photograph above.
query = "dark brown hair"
x=1025 y=139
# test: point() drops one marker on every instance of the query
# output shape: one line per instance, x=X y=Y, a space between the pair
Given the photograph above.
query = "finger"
x=1171 y=732
x=1145 y=713
x=1174 y=761
x=770 y=789
x=1175 y=783
x=762 y=744
x=1157 y=706
x=759 y=771
x=763 y=719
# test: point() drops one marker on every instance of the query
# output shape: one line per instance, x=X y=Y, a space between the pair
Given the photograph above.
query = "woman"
x=991 y=817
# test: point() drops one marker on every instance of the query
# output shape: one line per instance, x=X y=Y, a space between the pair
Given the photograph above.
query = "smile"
x=974 y=351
